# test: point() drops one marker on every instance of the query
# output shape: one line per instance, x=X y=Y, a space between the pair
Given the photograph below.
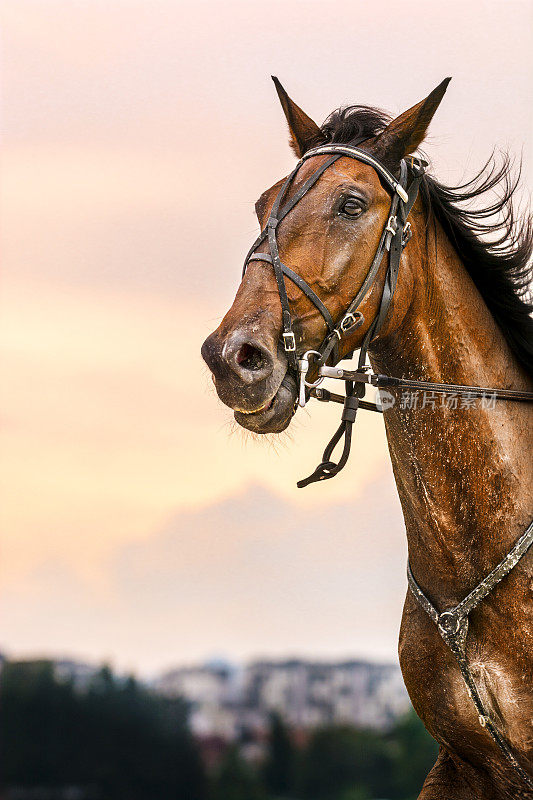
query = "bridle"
x=394 y=237
x=352 y=318
x=452 y=624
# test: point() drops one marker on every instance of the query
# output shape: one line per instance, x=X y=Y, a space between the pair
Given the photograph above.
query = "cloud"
x=256 y=573
x=251 y=574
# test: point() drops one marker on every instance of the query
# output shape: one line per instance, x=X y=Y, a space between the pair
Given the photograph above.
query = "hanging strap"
x=328 y=468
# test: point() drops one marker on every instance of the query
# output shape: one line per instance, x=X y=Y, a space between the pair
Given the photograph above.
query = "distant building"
x=236 y=704
x=211 y=694
x=309 y=694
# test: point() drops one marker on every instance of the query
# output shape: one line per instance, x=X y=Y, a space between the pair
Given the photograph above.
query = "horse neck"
x=463 y=474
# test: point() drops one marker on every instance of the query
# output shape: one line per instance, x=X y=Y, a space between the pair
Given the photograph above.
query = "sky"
x=138 y=525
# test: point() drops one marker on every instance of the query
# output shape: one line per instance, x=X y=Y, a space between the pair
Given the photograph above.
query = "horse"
x=458 y=314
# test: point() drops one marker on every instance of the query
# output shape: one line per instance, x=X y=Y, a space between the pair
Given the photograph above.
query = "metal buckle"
x=418 y=164
x=406 y=233
x=392 y=225
x=289 y=342
x=351 y=320
x=303 y=369
x=449 y=623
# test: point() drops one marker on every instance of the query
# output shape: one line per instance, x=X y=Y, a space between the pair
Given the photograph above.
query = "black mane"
x=495 y=247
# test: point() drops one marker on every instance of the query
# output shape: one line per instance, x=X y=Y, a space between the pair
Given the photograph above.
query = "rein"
x=386 y=381
x=452 y=624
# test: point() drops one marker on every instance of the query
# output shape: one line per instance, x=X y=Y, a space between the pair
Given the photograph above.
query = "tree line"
x=116 y=740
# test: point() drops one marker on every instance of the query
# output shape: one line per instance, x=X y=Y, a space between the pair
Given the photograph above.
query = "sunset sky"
x=137 y=525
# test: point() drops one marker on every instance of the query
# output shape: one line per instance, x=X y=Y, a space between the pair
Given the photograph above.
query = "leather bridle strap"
x=361 y=155
x=390 y=382
x=452 y=625
x=393 y=240
x=350 y=319
x=325 y=396
x=388 y=241
x=304 y=188
x=280 y=269
x=302 y=285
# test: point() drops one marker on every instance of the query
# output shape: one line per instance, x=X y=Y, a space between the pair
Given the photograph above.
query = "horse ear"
x=304 y=132
x=405 y=133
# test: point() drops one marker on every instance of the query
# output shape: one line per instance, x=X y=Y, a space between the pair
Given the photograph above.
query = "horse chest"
x=440 y=696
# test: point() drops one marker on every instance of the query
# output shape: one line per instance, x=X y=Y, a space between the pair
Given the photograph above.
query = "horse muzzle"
x=251 y=379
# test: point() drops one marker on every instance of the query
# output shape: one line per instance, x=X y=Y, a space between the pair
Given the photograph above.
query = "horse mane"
x=494 y=245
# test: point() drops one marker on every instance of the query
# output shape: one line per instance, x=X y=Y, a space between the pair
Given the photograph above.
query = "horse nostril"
x=249 y=357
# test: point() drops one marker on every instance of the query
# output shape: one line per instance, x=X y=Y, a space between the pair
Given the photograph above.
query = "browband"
x=360 y=155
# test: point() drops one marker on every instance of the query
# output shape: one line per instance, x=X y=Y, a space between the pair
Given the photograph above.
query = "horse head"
x=322 y=228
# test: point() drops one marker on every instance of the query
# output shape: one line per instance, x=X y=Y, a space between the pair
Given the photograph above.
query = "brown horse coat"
x=464 y=474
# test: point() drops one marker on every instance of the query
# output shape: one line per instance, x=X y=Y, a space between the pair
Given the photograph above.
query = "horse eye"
x=351 y=207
